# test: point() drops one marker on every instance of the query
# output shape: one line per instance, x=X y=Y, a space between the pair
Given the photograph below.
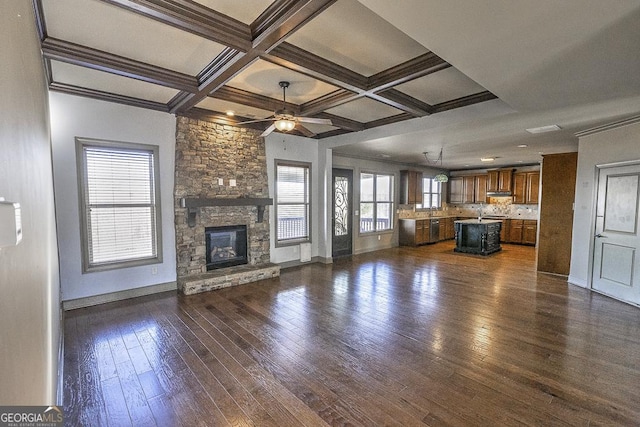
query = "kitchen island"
x=477 y=236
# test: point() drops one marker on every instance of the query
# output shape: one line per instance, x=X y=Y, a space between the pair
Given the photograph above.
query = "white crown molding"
x=608 y=126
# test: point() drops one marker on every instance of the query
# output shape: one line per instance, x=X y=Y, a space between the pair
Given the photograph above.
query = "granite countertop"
x=438 y=217
x=484 y=218
x=479 y=221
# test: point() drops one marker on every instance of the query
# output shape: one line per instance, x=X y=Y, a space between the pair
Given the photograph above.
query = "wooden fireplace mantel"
x=192 y=205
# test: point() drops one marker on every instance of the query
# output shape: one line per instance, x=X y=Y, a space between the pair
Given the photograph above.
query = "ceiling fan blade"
x=314 y=120
x=268 y=130
x=256 y=121
x=303 y=130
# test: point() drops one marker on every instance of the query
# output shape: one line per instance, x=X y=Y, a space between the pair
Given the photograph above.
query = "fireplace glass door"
x=226 y=246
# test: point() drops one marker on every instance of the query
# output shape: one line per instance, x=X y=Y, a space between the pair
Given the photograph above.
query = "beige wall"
x=75 y=116
x=29 y=283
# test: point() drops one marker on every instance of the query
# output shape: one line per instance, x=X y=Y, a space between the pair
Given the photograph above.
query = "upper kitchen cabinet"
x=468 y=192
x=480 y=194
x=526 y=187
x=456 y=190
x=468 y=189
x=493 y=178
x=499 y=180
x=410 y=187
x=533 y=187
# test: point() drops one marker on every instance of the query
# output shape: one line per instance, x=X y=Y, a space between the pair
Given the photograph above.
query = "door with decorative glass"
x=342 y=211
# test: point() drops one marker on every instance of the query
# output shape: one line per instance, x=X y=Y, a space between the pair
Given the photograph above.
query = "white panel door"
x=616 y=264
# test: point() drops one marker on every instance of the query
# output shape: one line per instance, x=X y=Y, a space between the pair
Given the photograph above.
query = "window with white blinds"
x=292 y=202
x=120 y=204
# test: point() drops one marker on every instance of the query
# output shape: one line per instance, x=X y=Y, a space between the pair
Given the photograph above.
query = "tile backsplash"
x=498 y=206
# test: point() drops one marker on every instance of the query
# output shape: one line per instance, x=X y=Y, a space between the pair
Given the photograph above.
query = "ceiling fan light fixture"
x=284 y=125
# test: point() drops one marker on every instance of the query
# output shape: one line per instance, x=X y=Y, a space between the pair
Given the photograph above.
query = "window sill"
x=286 y=243
x=372 y=233
x=117 y=265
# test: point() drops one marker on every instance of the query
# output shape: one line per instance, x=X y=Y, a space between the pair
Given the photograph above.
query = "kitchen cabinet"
x=515 y=230
x=446 y=228
x=493 y=178
x=504 y=231
x=529 y=232
x=410 y=187
x=468 y=192
x=480 y=189
x=477 y=237
x=411 y=232
x=415 y=232
x=522 y=231
x=456 y=188
x=499 y=180
x=526 y=186
x=519 y=186
x=533 y=187
x=504 y=180
x=450 y=233
x=468 y=189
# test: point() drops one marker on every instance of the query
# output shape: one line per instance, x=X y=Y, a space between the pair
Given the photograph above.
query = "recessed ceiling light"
x=519 y=161
x=231 y=113
x=522 y=146
x=385 y=156
x=543 y=129
x=487 y=159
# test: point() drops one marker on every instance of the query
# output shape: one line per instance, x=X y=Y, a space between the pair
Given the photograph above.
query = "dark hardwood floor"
x=405 y=336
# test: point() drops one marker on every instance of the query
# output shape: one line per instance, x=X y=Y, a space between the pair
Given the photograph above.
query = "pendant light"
x=441 y=177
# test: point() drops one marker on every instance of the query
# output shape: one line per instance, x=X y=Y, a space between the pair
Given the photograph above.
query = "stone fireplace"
x=215 y=162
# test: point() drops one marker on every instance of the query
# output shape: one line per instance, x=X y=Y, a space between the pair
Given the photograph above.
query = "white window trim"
x=375 y=203
x=87 y=267
x=424 y=207
x=291 y=242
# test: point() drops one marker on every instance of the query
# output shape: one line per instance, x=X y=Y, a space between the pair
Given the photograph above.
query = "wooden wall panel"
x=556 y=212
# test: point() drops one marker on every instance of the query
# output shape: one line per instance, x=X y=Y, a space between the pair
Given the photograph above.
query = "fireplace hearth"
x=226 y=246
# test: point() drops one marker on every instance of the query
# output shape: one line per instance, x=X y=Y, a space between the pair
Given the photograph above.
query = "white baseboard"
x=117 y=296
x=578 y=282
x=60 y=384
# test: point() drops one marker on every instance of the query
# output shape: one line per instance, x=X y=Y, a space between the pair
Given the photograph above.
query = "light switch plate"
x=232 y=182
x=220 y=181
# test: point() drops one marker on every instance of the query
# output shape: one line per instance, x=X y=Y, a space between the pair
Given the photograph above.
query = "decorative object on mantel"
x=192 y=204
x=441 y=177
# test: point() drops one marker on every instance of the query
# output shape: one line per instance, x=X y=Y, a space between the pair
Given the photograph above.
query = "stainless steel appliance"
x=434 y=230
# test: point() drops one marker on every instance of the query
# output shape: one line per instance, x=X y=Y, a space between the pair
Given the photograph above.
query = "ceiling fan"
x=285 y=120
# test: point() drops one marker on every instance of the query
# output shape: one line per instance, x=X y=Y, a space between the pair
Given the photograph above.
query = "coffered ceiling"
x=206 y=58
x=395 y=78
